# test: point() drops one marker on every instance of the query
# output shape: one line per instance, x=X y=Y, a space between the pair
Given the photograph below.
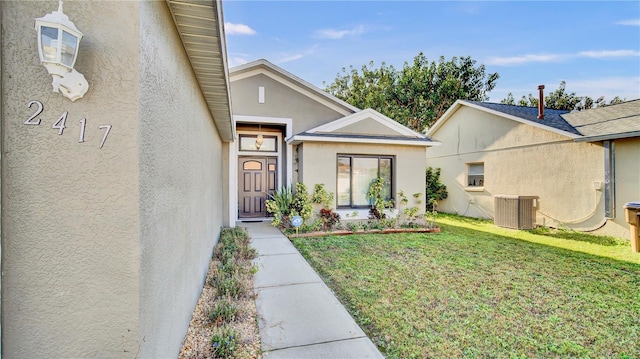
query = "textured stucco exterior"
x=320 y=165
x=280 y=101
x=104 y=251
x=519 y=159
x=522 y=159
x=627 y=182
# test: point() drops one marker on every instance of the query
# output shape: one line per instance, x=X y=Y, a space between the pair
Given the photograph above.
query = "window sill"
x=474 y=189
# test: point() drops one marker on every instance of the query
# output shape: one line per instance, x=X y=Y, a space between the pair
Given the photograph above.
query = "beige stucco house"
x=106 y=237
x=582 y=166
x=113 y=199
x=309 y=136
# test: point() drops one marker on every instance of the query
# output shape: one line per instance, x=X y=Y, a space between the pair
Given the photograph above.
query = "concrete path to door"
x=298 y=315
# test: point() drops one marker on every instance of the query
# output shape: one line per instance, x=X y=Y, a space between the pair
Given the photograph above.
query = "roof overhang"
x=459 y=103
x=376 y=140
x=200 y=25
x=615 y=136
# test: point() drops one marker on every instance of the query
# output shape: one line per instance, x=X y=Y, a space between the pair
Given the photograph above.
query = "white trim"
x=261 y=94
x=233 y=184
x=364 y=115
x=234 y=154
x=406 y=142
x=459 y=103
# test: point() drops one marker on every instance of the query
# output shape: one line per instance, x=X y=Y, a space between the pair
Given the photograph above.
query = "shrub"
x=223 y=312
x=436 y=191
x=329 y=219
x=224 y=342
x=321 y=196
x=379 y=203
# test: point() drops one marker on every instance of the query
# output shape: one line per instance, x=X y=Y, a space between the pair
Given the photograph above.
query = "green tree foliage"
x=419 y=93
x=436 y=190
x=560 y=99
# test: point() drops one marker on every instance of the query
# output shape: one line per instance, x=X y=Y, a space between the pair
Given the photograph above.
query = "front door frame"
x=284 y=158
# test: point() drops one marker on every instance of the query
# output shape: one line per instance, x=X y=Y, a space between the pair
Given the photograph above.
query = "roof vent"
x=541 y=102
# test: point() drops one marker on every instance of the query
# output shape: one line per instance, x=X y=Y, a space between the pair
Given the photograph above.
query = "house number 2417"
x=61 y=123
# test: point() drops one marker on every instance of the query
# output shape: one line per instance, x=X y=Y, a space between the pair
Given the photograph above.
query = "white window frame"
x=479 y=183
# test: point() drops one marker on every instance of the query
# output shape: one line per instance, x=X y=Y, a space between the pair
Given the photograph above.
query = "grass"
x=478 y=291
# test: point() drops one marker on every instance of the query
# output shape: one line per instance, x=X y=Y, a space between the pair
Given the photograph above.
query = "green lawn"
x=478 y=291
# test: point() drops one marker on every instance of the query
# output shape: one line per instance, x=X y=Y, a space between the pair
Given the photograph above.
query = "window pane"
x=252 y=166
x=476 y=168
x=385 y=173
x=49 y=41
x=248 y=143
x=68 y=48
x=344 y=181
x=365 y=171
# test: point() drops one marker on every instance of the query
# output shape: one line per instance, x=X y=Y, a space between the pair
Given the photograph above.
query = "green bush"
x=224 y=311
x=436 y=191
x=224 y=342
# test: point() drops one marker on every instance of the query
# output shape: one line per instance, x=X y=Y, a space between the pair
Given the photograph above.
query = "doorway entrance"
x=257 y=179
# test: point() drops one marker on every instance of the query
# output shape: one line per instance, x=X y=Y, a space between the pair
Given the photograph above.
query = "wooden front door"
x=256 y=181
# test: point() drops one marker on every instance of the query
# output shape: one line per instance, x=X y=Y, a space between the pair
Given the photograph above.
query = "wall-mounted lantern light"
x=58 y=42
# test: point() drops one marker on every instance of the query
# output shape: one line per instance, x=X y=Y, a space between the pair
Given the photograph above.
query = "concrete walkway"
x=299 y=316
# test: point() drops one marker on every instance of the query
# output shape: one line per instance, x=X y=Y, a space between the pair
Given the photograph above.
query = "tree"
x=419 y=93
x=562 y=100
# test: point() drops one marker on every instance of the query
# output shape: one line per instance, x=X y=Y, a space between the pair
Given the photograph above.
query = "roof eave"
x=297 y=139
x=615 y=136
x=192 y=18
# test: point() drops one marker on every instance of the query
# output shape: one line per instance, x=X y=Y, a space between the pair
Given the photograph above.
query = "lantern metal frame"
x=58 y=44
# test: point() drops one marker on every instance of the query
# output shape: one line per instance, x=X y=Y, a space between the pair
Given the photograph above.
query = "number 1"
x=83 y=125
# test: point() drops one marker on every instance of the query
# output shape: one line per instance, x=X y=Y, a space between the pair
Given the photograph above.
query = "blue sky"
x=592 y=45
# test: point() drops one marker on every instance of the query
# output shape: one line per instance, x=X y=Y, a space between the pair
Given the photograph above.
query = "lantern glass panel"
x=49 y=43
x=69 y=43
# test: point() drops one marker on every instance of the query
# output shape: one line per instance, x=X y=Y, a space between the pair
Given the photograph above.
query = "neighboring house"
x=307 y=135
x=105 y=250
x=583 y=166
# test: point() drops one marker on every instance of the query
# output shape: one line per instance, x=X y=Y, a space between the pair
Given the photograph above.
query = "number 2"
x=33 y=120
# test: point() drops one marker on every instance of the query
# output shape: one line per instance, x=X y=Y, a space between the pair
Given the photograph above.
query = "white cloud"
x=334 y=34
x=518 y=60
x=624 y=87
x=298 y=56
x=238 y=29
x=634 y=22
x=609 y=53
x=237 y=61
x=525 y=59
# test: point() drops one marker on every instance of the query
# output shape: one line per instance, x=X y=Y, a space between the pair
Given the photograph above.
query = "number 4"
x=60 y=124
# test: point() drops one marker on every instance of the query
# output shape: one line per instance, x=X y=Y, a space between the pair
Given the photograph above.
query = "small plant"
x=224 y=342
x=353 y=226
x=321 y=196
x=229 y=286
x=379 y=202
x=329 y=219
x=279 y=205
x=223 y=312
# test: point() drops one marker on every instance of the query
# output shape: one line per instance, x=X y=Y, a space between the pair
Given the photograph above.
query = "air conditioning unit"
x=517 y=212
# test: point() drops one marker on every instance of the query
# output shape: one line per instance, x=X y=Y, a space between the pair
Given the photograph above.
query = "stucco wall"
x=71 y=217
x=181 y=186
x=627 y=153
x=280 y=101
x=519 y=159
x=320 y=165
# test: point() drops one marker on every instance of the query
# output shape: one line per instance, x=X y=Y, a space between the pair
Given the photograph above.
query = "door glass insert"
x=252 y=166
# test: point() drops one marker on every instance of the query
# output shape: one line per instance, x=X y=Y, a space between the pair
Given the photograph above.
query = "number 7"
x=106 y=133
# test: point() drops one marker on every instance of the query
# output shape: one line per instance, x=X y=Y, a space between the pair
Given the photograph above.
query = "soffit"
x=201 y=27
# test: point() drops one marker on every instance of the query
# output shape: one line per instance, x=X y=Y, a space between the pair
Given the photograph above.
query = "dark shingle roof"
x=552 y=118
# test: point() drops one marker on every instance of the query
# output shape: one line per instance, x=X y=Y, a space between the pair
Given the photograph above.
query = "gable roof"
x=552 y=121
x=280 y=75
x=339 y=131
x=201 y=28
x=607 y=122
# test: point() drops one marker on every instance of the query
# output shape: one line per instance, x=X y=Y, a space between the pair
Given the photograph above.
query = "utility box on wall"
x=516 y=212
